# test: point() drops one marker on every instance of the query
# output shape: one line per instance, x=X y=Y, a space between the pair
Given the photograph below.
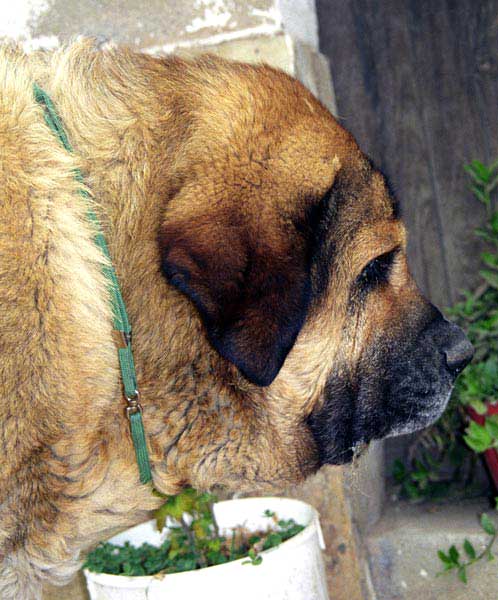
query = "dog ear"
x=251 y=284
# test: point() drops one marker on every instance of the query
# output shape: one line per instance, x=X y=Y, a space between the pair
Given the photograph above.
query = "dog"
x=276 y=327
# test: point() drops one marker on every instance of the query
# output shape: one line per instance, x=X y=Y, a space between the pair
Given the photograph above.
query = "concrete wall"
x=158 y=25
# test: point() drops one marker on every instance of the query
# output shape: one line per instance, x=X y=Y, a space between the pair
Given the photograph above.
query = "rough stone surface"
x=346 y=575
x=300 y=21
x=312 y=69
x=154 y=23
x=403 y=547
x=366 y=487
x=158 y=25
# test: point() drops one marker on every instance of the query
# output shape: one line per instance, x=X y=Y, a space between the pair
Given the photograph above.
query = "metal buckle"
x=134 y=405
x=121 y=338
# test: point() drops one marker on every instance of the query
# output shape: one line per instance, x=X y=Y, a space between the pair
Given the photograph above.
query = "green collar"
x=121 y=323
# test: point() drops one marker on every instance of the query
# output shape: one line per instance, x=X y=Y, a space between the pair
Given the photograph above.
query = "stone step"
x=402 y=552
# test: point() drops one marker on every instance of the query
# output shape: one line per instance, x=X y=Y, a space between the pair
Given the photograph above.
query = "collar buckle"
x=133 y=404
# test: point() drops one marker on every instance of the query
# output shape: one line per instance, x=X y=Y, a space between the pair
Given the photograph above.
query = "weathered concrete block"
x=346 y=575
x=158 y=25
x=366 y=487
x=402 y=553
x=313 y=70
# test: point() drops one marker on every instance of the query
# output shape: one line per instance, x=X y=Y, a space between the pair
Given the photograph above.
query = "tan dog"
x=276 y=326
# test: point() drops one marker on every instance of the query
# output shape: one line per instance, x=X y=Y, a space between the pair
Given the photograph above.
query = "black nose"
x=459 y=351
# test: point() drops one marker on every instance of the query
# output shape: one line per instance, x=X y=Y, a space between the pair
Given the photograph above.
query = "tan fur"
x=141 y=127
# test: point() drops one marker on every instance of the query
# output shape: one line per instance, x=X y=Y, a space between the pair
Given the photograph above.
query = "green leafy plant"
x=443 y=456
x=477 y=387
x=460 y=561
x=484 y=181
x=442 y=459
x=439 y=462
x=483 y=437
x=193 y=542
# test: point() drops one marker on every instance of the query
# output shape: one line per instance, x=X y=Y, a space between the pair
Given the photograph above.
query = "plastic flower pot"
x=491 y=455
x=292 y=571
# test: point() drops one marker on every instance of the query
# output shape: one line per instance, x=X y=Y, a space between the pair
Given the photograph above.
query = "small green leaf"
x=454 y=554
x=444 y=558
x=487 y=524
x=478 y=438
x=469 y=549
x=490 y=276
x=481 y=170
x=490 y=259
x=475 y=445
x=462 y=575
x=491 y=425
x=399 y=471
x=479 y=406
x=494 y=222
x=480 y=194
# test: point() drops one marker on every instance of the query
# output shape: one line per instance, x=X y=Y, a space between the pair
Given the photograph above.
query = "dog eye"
x=377 y=270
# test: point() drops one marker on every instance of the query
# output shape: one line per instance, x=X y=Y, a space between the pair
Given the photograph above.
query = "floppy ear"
x=250 y=283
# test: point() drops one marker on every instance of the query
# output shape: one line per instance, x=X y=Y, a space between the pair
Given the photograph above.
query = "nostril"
x=459 y=355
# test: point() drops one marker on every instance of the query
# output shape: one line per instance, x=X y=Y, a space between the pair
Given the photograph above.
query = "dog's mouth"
x=423 y=418
x=398 y=387
x=351 y=418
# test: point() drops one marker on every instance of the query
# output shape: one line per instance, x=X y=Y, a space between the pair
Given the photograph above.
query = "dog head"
x=286 y=243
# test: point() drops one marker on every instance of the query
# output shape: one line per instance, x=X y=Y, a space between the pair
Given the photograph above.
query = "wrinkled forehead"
x=277 y=146
x=315 y=157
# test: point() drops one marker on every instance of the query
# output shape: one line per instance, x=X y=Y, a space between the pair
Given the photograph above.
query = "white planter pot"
x=292 y=571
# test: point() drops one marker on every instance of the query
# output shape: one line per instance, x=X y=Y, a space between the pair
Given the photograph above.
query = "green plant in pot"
x=197 y=547
x=194 y=541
